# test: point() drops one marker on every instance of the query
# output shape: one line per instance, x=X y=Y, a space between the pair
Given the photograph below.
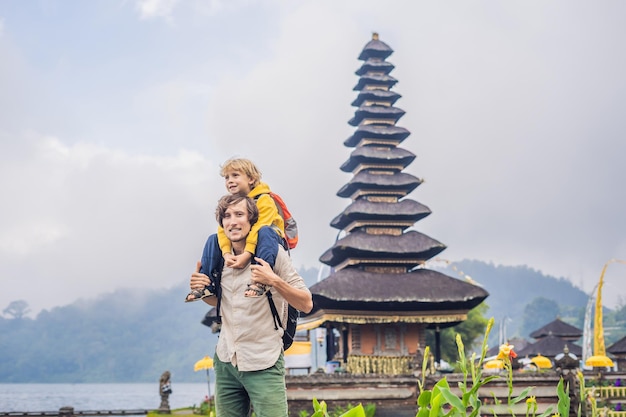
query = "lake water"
x=84 y=397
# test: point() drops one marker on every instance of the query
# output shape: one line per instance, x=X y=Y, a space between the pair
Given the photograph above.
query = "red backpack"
x=291 y=227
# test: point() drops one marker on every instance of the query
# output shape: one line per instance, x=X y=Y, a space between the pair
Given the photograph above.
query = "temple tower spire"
x=379 y=299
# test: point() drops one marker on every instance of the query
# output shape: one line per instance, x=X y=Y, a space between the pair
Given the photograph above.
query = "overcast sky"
x=115 y=117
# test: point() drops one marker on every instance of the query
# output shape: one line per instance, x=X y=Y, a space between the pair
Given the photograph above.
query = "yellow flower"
x=531 y=402
x=506 y=351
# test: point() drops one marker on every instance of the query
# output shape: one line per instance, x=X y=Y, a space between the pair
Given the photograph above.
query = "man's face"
x=235 y=222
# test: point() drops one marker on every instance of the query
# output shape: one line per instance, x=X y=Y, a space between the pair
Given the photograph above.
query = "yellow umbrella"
x=299 y=348
x=542 y=362
x=205 y=363
x=600 y=361
x=494 y=364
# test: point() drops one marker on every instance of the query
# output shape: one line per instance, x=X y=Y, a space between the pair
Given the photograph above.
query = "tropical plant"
x=320 y=409
x=440 y=401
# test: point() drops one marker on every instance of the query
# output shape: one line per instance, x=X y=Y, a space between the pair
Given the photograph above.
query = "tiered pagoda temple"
x=379 y=299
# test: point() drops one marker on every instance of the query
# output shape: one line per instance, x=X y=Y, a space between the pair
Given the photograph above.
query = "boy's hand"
x=238 y=261
x=229 y=259
x=198 y=280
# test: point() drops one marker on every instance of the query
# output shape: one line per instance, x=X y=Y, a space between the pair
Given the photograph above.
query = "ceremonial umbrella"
x=205 y=363
x=494 y=364
x=541 y=361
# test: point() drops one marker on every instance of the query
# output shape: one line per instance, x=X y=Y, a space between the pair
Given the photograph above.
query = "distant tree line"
x=136 y=335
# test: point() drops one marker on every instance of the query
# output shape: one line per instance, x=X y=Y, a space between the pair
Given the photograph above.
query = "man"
x=249 y=360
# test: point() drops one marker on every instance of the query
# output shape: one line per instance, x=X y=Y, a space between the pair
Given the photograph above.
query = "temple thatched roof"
x=409 y=249
x=373 y=79
x=390 y=133
x=378 y=155
x=558 y=328
x=550 y=346
x=376 y=112
x=421 y=289
x=387 y=96
x=375 y=49
x=364 y=210
x=375 y=65
x=618 y=347
x=399 y=184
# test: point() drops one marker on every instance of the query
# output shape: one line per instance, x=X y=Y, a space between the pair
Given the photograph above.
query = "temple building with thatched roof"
x=618 y=350
x=550 y=346
x=552 y=339
x=379 y=298
x=558 y=328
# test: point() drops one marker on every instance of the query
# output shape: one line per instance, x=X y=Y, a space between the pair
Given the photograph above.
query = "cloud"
x=165 y=9
x=85 y=216
x=515 y=114
x=150 y=9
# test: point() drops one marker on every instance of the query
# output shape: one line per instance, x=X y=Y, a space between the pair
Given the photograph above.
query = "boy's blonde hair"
x=242 y=165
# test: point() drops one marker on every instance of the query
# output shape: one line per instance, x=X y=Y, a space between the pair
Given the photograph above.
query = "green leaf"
x=424 y=399
x=467 y=397
x=435 y=405
x=522 y=395
x=476 y=403
x=474 y=412
x=319 y=408
x=547 y=412
x=316 y=404
x=423 y=412
x=563 y=404
x=479 y=384
x=442 y=383
x=452 y=399
x=357 y=411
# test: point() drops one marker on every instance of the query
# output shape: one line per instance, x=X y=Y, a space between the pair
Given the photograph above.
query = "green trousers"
x=236 y=391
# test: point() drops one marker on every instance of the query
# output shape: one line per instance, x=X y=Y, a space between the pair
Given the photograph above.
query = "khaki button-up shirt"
x=247 y=338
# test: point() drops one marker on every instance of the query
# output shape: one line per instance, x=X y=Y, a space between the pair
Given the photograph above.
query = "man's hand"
x=262 y=273
x=237 y=261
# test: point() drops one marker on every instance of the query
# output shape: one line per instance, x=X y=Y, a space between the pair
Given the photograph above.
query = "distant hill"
x=512 y=288
x=134 y=336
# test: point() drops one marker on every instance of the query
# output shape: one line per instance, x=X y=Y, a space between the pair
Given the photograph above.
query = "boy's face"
x=236 y=223
x=237 y=182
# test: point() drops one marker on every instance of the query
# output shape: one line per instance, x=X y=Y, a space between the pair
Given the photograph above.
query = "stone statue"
x=165 y=389
x=566 y=365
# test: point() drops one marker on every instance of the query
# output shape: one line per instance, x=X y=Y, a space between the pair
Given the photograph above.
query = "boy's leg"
x=266 y=249
x=212 y=263
x=267 y=245
x=267 y=390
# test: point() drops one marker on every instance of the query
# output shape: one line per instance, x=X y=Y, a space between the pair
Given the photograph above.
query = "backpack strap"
x=270 y=300
x=285 y=244
x=217 y=279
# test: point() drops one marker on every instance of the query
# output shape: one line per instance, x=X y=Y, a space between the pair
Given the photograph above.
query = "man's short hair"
x=230 y=199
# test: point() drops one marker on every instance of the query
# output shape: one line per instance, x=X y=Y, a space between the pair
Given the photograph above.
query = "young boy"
x=241 y=176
